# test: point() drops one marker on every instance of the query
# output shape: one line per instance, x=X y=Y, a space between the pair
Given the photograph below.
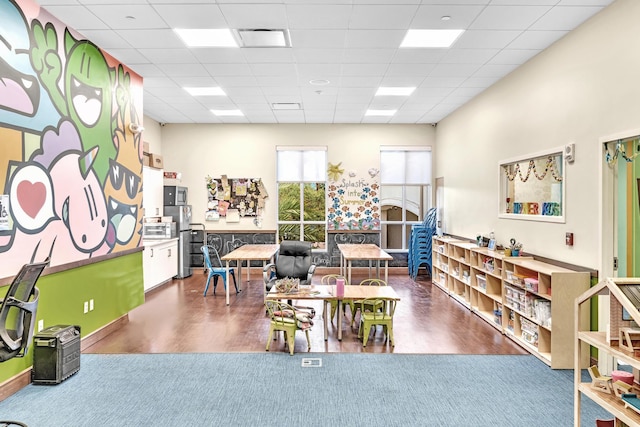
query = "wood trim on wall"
x=23 y=379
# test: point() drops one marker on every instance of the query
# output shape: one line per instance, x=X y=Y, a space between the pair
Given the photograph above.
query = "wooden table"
x=327 y=293
x=248 y=253
x=367 y=251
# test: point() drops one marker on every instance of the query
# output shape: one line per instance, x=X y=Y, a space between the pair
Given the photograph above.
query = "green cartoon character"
x=87 y=81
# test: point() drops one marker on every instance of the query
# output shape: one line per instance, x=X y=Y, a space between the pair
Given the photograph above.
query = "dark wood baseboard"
x=23 y=379
x=15 y=384
x=107 y=329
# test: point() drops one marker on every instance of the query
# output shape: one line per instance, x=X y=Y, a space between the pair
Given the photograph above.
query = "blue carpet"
x=273 y=389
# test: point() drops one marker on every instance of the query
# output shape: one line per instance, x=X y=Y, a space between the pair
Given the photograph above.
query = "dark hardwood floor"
x=177 y=318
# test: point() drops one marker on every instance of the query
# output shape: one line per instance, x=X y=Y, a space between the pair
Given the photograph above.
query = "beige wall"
x=152 y=134
x=584 y=87
x=250 y=151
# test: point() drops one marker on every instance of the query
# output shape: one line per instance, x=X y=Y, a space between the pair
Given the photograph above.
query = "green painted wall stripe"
x=115 y=285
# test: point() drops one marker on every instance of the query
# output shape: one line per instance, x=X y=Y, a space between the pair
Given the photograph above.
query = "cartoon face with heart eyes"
x=56 y=202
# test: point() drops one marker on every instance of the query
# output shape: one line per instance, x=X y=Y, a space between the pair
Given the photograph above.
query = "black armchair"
x=18 y=311
x=293 y=260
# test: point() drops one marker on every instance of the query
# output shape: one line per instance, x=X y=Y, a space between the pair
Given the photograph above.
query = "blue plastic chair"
x=214 y=272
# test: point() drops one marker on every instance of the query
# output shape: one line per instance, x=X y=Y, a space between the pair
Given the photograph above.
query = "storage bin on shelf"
x=497 y=315
x=531 y=284
x=515 y=298
x=482 y=281
x=529 y=331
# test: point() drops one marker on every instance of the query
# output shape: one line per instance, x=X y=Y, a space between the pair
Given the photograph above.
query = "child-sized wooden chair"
x=599 y=382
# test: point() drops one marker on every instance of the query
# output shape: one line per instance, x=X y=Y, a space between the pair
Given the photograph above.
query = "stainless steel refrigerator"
x=182 y=217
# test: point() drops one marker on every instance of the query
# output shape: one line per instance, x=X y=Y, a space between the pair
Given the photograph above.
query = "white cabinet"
x=160 y=262
x=153 y=187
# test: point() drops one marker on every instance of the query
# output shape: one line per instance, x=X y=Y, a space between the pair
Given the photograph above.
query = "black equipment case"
x=56 y=354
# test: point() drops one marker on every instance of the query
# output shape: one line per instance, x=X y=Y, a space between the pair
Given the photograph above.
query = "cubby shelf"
x=494 y=287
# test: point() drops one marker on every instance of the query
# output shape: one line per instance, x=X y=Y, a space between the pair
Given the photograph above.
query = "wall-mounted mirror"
x=532 y=187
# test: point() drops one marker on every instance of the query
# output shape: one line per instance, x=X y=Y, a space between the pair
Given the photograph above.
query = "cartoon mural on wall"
x=69 y=164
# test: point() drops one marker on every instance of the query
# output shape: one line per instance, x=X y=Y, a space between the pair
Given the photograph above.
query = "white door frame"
x=608 y=238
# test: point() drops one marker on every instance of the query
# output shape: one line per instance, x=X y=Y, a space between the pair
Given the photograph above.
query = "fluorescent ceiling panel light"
x=286 y=106
x=205 y=91
x=222 y=113
x=380 y=112
x=264 y=38
x=430 y=38
x=207 y=37
x=394 y=91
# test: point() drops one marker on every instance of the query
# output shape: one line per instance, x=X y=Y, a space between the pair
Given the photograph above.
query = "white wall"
x=584 y=87
x=249 y=151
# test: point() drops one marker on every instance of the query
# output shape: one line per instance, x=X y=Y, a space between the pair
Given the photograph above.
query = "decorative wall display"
x=533 y=187
x=353 y=201
x=70 y=163
x=237 y=196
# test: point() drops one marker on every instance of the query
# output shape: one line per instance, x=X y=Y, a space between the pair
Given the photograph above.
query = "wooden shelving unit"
x=585 y=339
x=494 y=288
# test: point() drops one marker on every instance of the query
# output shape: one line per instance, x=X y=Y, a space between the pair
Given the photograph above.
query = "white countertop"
x=157 y=242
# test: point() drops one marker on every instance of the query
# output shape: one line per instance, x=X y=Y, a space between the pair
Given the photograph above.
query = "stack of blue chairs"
x=420 y=244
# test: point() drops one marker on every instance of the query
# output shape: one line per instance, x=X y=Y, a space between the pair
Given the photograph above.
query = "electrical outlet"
x=91 y=304
x=86 y=306
x=40 y=325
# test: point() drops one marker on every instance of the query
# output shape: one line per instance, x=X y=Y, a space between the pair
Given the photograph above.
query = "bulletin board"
x=234 y=198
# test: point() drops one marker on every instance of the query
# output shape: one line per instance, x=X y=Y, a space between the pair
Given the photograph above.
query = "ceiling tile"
x=325 y=39
x=352 y=43
x=388 y=16
x=508 y=17
x=513 y=56
x=219 y=55
x=314 y=56
x=268 y=54
x=468 y=56
x=192 y=15
x=318 y=16
x=230 y=81
x=229 y=69
x=565 y=18
x=168 y=56
x=159 y=39
x=430 y=16
x=374 y=39
x=77 y=17
x=536 y=39
x=486 y=39
x=252 y=15
x=133 y=16
x=107 y=39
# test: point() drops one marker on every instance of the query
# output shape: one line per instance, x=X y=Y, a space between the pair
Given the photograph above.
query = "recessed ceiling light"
x=319 y=82
x=394 y=91
x=221 y=113
x=264 y=37
x=285 y=105
x=205 y=91
x=430 y=38
x=207 y=37
x=380 y=112
x=445 y=18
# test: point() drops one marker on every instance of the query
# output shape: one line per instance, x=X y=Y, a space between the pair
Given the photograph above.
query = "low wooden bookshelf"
x=528 y=300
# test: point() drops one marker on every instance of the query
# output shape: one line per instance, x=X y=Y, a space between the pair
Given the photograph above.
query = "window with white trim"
x=301 y=179
x=405 y=193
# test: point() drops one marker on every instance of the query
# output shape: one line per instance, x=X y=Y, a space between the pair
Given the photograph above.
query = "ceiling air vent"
x=264 y=38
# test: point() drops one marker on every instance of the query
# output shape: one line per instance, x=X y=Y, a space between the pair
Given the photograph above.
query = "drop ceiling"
x=352 y=44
